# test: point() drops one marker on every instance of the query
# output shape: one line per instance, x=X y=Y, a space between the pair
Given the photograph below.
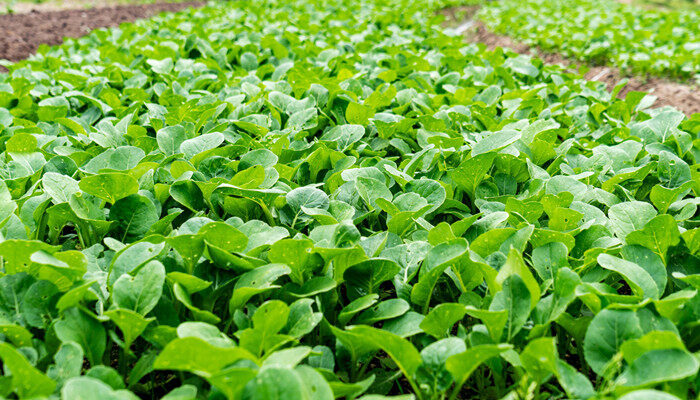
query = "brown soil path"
x=28 y=6
x=684 y=97
x=21 y=34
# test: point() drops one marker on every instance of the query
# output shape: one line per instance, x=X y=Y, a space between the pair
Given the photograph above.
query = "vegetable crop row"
x=337 y=199
x=638 y=41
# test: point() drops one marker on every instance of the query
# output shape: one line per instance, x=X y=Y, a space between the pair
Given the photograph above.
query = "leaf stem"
x=267 y=213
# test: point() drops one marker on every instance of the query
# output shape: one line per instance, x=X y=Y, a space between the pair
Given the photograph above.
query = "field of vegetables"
x=636 y=40
x=319 y=199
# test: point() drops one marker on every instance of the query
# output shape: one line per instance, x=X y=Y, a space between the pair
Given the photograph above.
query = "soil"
x=27 y=6
x=682 y=96
x=21 y=34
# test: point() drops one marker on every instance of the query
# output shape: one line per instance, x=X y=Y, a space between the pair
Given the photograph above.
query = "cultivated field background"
x=341 y=199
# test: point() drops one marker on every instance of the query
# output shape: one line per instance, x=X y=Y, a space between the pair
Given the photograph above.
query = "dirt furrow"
x=21 y=34
x=684 y=97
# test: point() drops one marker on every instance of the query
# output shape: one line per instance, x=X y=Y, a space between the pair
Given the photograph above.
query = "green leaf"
x=539 y=358
x=288 y=358
x=18 y=335
x=109 y=187
x=430 y=190
x=657 y=366
x=495 y=141
x=122 y=158
x=190 y=248
x=630 y=216
x=356 y=306
x=649 y=261
x=17 y=253
x=191 y=283
x=673 y=171
x=224 y=236
x=268 y=320
x=640 y=281
x=262 y=157
x=355 y=342
x=387 y=309
x=364 y=278
x=605 y=335
x=663 y=197
x=438 y=259
x=170 y=139
x=74 y=296
x=255 y=282
x=5 y=118
x=130 y=323
x=515 y=265
x=495 y=320
x=198 y=313
x=358 y=114
x=302 y=320
x=315 y=385
x=404 y=326
x=200 y=144
x=199 y=357
x=232 y=380
x=297 y=255
x=271 y=317
x=472 y=171
x=648 y=394
x=663 y=123
x=654 y=340
x=59 y=187
x=184 y=392
x=576 y=385
x=440 y=320
x=658 y=235
x=107 y=375
x=372 y=190
x=83 y=329
x=130 y=258
x=462 y=365
x=207 y=332
x=308 y=197
x=514 y=299
x=344 y=135
x=312 y=287
x=433 y=371
x=547 y=259
x=27 y=381
x=141 y=292
x=68 y=362
x=83 y=387
x=400 y=350
x=133 y=216
x=276 y=384
x=21 y=143
x=188 y=194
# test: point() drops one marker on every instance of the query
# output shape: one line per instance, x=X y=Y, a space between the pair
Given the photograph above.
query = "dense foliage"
x=636 y=40
x=318 y=200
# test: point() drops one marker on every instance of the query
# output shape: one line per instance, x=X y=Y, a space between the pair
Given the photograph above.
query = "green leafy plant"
x=320 y=200
x=636 y=40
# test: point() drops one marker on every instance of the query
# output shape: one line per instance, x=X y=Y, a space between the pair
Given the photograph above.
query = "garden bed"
x=22 y=34
x=681 y=96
